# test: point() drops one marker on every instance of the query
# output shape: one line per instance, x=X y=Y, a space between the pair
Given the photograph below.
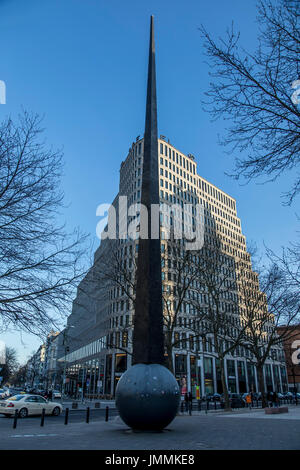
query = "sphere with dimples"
x=147 y=397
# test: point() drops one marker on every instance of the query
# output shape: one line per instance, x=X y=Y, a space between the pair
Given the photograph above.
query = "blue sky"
x=82 y=64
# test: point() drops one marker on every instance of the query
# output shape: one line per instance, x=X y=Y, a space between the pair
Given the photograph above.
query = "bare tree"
x=11 y=364
x=216 y=312
x=263 y=310
x=253 y=90
x=40 y=263
x=20 y=376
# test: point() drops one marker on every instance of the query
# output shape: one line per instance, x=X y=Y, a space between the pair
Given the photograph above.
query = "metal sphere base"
x=147 y=397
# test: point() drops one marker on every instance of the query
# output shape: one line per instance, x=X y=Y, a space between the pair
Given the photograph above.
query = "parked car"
x=29 y=405
x=235 y=400
x=288 y=395
x=213 y=397
x=56 y=394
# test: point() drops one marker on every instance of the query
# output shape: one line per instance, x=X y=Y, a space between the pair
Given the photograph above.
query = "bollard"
x=182 y=409
x=190 y=408
x=215 y=405
x=106 y=413
x=66 y=415
x=15 y=419
x=88 y=414
x=199 y=405
x=43 y=417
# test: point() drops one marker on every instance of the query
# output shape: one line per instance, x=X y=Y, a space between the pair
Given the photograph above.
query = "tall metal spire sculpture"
x=148 y=319
x=147 y=395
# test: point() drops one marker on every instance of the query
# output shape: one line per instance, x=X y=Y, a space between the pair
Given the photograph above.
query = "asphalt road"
x=239 y=430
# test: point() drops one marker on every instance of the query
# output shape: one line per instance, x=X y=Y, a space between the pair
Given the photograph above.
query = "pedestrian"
x=186 y=400
x=50 y=395
x=248 y=400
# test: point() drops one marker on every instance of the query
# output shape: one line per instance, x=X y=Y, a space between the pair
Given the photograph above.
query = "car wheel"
x=56 y=411
x=23 y=413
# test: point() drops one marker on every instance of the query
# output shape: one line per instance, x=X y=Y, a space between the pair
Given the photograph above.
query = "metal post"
x=66 y=415
x=106 y=413
x=88 y=414
x=43 y=417
x=15 y=419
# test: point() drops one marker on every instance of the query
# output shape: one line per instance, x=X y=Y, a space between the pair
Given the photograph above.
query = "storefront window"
x=284 y=379
x=268 y=374
x=180 y=364
x=251 y=377
x=120 y=363
x=219 y=376
x=242 y=376
x=208 y=375
x=231 y=376
x=276 y=378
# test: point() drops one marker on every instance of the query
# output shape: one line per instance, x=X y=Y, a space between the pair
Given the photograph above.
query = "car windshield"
x=16 y=398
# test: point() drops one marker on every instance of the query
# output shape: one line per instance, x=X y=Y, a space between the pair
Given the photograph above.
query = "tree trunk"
x=260 y=376
x=227 y=406
x=170 y=358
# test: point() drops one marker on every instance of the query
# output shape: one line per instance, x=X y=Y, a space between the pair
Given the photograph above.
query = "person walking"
x=186 y=400
x=248 y=400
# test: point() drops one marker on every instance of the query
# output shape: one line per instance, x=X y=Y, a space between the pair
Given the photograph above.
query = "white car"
x=29 y=405
x=56 y=394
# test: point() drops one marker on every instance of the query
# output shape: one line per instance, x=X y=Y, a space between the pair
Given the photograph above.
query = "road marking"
x=34 y=435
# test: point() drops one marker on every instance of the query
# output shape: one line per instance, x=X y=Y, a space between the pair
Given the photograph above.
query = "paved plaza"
x=238 y=430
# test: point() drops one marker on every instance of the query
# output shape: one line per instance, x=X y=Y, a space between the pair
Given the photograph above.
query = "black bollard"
x=182 y=409
x=15 y=419
x=106 y=413
x=199 y=405
x=88 y=414
x=43 y=417
x=67 y=416
x=215 y=405
x=190 y=408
